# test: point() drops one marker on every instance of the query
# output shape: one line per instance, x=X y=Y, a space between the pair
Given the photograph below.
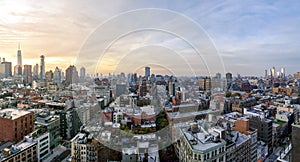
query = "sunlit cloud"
x=260 y=33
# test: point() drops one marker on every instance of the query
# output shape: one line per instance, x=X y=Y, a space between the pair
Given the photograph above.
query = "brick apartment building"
x=15 y=124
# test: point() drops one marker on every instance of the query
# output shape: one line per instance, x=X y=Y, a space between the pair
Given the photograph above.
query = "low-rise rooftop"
x=15 y=149
x=12 y=114
x=203 y=141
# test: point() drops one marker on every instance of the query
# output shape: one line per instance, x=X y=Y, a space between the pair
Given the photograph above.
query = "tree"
x=228 y=94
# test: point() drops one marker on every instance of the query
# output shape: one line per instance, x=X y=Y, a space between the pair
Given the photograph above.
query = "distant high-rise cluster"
x=275 y=74
x=36 y=75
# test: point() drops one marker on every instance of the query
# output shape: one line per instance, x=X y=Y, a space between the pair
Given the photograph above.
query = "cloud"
x=260 y=33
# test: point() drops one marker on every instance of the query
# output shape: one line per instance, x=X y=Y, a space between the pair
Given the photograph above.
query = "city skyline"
x=141 y=80
x=262 y=34
x=270 y=71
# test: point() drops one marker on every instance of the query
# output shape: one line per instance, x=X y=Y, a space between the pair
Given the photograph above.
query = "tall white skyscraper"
x=18 y=67
x=278 y=74
x=42 y=70
x=273 y=72
x=19 y=56
x=283 y=72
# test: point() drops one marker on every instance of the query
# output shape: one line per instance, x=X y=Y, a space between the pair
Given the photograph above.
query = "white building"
x=43 y=143
x=196 y=144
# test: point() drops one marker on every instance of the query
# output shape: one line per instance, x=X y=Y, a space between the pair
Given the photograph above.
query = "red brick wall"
x=10 y=131
x=242 y=126
x=6 y=130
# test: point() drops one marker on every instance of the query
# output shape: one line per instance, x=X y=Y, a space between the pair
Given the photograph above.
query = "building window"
x=221 y=159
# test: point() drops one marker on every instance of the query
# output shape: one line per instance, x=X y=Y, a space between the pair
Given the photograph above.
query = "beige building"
x=84 y=148
x=23 y=151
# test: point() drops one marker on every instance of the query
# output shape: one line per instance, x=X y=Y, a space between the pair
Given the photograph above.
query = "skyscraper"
x=18 y=67
x=71 y=75
x=143 y=88
x=36 y=71
x=49 y=76
x=204 y=84
x=27 y=73
x=82 y=73
x=283 y=72
x=18 y=70
x=42 y=70
x=19 y=56
x=57 y=75
x=228 y=77
x=273 y=72
x=217 y=82
x=6 y=68
x=266 y=74
x=218 y=75
x=147 y=72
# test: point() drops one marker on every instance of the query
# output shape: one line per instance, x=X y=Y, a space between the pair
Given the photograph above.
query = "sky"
x=178 y=37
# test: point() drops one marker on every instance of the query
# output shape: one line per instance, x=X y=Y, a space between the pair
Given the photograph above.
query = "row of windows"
x=214 y=153
x=43 y=144
x=22 y=157
x=21 y=132
x=44 y=138
x=44 y=148
x=221 y=159
x=44 y=153
x=30 y=118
